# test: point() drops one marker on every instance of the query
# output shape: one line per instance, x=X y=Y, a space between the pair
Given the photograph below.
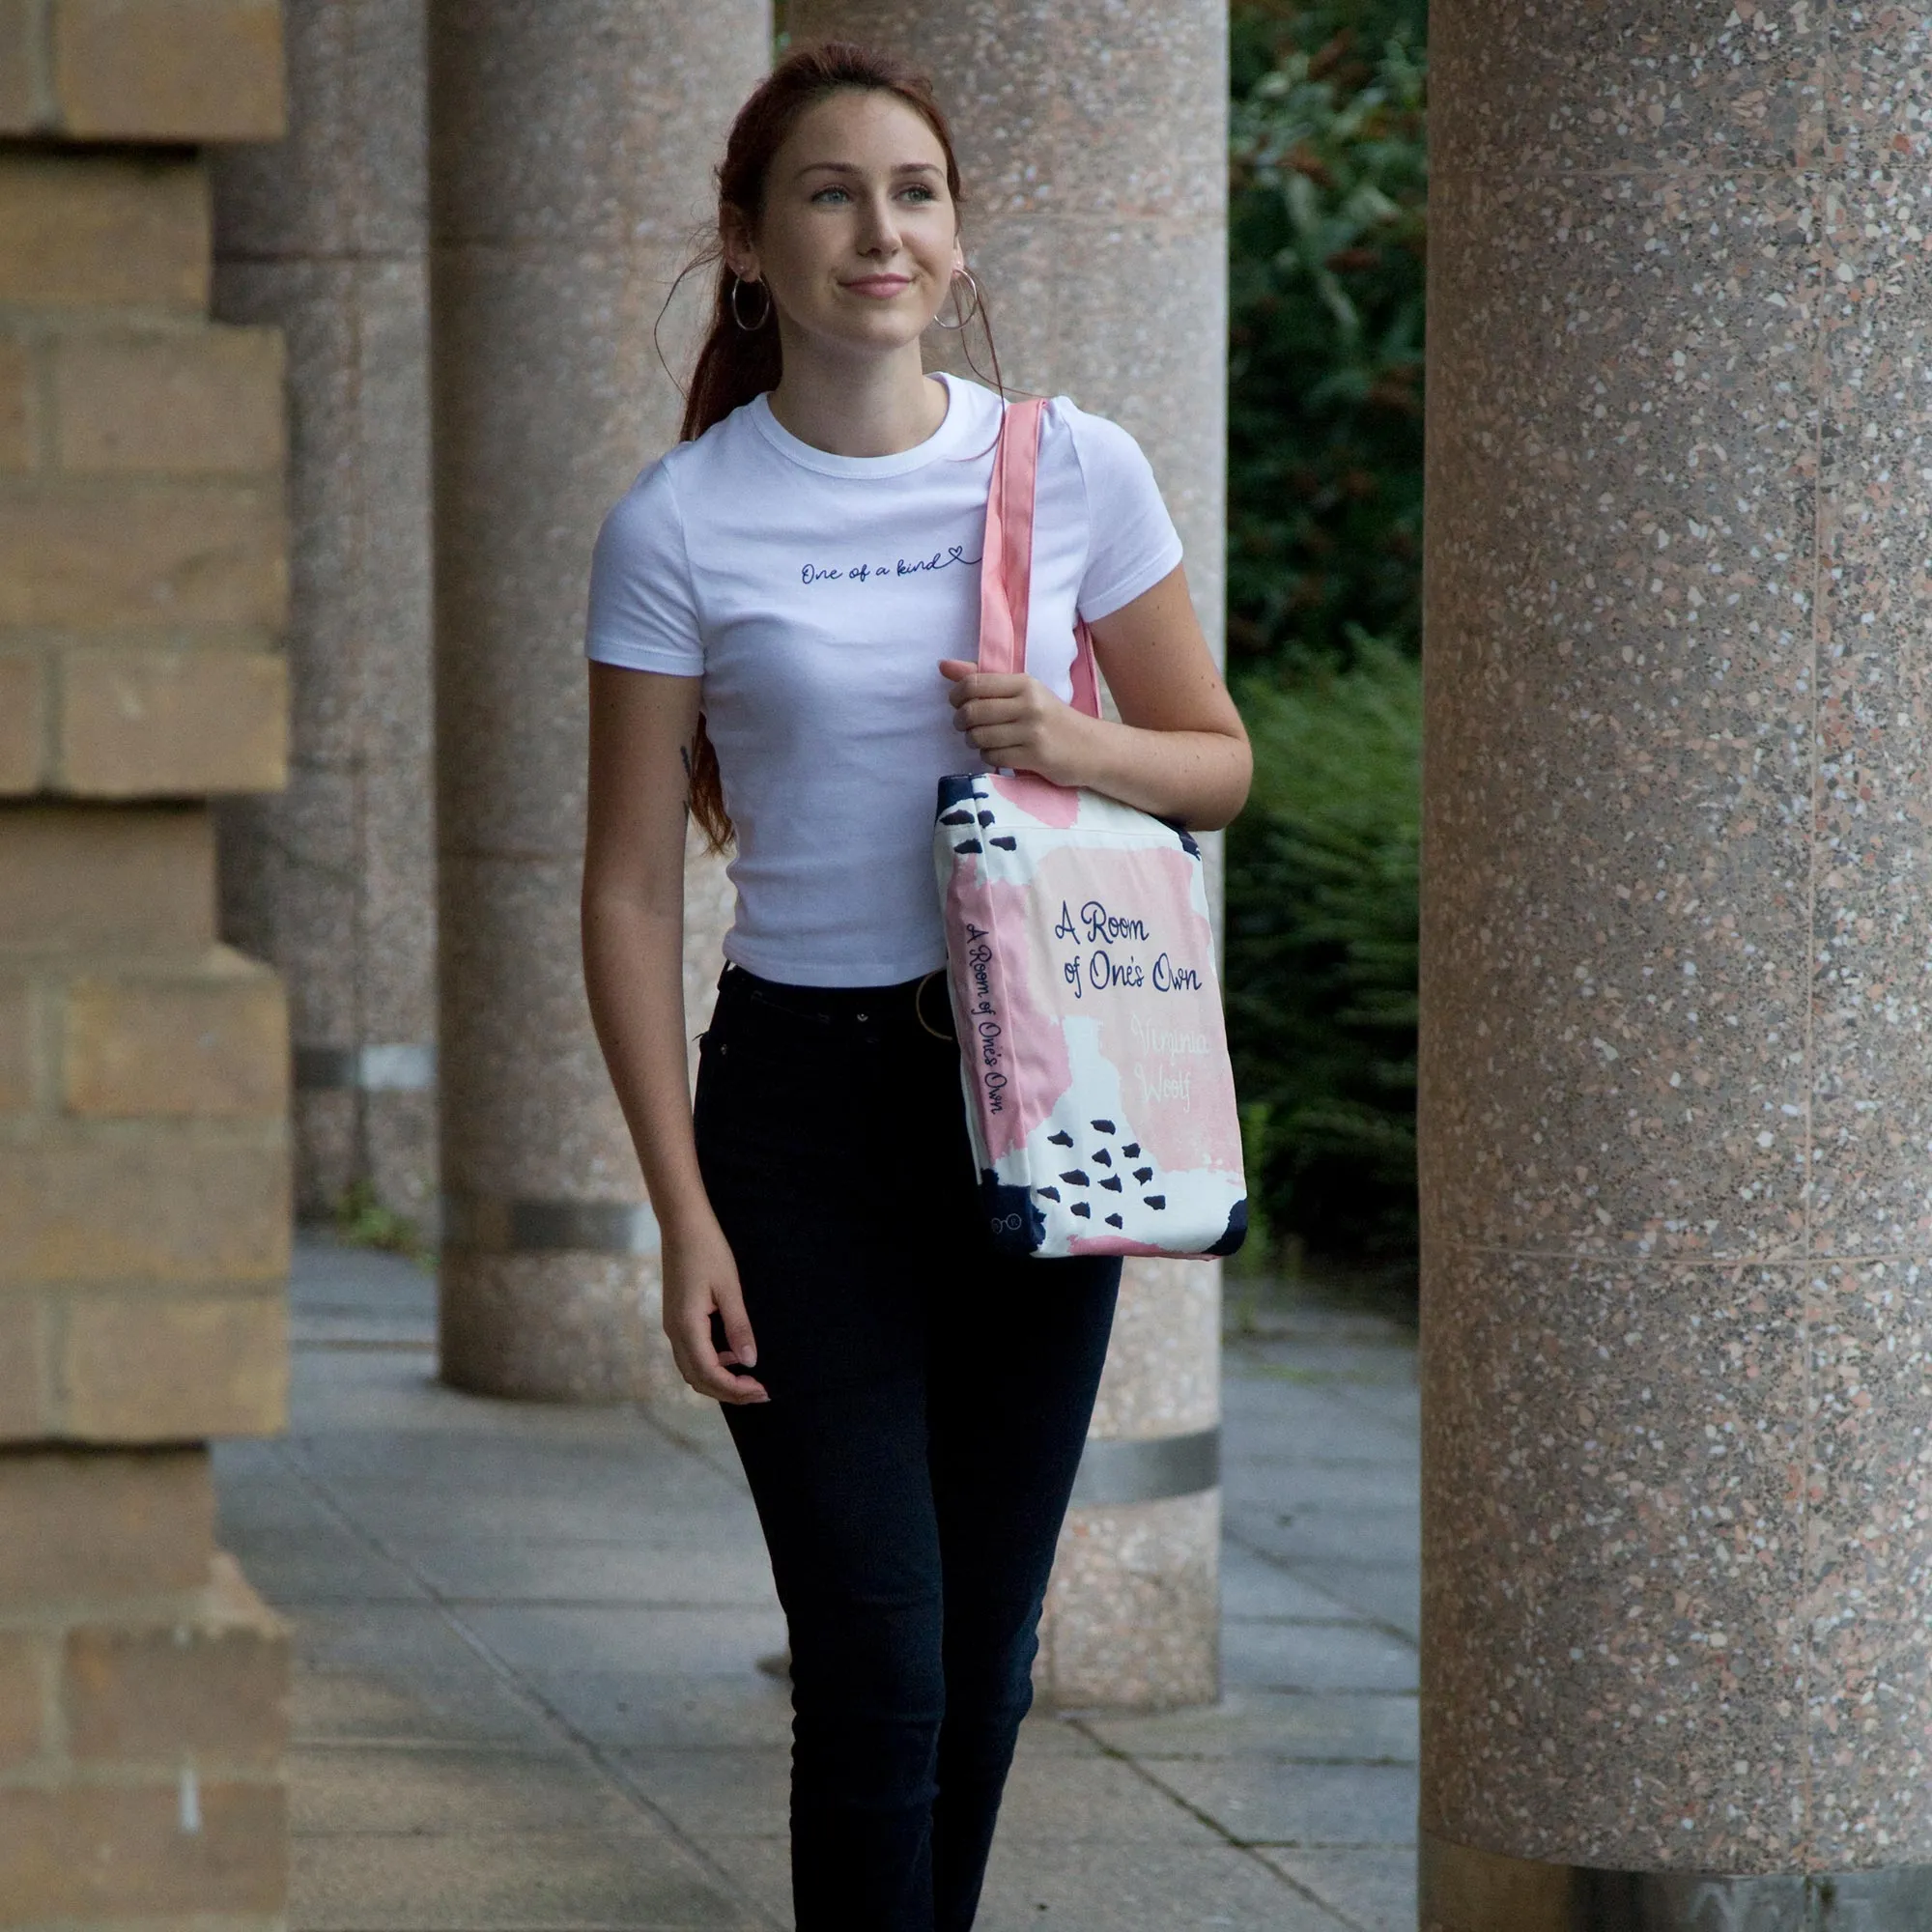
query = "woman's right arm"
x=642 y=728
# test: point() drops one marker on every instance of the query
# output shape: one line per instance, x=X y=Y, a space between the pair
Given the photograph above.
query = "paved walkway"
x=527 y=1698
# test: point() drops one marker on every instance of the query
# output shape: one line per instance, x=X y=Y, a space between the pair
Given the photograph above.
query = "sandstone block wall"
x=143 y=1697
x=144 y=1068
x=143 y=1098
x=187 y=71
x=142 y=549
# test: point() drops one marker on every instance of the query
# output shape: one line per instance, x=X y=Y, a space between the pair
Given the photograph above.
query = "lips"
x=879 y=286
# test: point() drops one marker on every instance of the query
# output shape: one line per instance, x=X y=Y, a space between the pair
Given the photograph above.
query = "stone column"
x=571 y=144
x=1093 y=143
x=1677 y=1101
x=323 y=234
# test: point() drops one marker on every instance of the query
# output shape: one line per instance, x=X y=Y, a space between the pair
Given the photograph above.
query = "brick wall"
x=143 y=1067
x=143 y=1692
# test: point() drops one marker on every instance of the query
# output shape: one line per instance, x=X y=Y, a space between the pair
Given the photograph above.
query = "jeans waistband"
x=912 y=1009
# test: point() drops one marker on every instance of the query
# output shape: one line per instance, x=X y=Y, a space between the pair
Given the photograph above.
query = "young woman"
x=796 y=586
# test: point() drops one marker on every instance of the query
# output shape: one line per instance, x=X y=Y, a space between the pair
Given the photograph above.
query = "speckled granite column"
x=323 y=233
x=572 y=143
x=1093 y=142
x=1676 y=1094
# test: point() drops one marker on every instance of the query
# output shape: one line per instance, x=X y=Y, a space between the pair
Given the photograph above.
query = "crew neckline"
x=952 y=432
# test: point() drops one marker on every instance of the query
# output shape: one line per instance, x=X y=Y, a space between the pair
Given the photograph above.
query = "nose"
x=879 y=231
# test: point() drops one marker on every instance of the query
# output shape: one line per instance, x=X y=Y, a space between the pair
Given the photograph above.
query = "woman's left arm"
x=1180 y=750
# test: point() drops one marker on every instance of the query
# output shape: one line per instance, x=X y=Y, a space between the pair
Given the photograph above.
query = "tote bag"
x=1080 y=958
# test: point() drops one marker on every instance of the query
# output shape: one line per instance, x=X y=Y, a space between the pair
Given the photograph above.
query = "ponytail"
x=734 y=365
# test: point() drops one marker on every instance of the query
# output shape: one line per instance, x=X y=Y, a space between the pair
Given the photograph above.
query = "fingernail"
x=748 y=1358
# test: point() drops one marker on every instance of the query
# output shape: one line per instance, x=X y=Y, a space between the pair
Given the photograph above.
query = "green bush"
x=1328 y=172
x=1327 y=223
x=1321 y=949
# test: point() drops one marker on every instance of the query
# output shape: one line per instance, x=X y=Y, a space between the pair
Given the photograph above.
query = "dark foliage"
x=1325 y=417
x=1325 y=581
x=1321 y=951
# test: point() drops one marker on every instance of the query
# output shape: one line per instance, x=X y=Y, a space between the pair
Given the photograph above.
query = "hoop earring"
x=738 y=288
x=919 y=1006
x=954 y=326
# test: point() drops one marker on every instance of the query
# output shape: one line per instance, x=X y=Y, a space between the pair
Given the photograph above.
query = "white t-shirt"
x=816 y=594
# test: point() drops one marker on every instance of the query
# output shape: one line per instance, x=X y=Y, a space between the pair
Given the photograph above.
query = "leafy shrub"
x=1327 y=226
x=1321 y=951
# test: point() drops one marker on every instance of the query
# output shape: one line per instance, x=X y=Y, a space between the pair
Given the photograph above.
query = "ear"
x=734 y=236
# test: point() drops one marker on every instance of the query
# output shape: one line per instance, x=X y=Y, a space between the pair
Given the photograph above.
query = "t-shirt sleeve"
x=643 y=613
x=1132 y=543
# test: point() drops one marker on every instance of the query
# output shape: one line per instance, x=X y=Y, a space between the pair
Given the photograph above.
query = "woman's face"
x=859 y=238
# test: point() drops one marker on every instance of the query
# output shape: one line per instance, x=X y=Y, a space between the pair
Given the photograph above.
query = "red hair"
x=735 y=364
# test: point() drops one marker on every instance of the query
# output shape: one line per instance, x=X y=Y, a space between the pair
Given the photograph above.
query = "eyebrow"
x=853 y=168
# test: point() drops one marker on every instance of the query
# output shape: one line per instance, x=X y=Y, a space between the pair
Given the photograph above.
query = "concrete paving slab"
x=479 y=1456
x=1300 y=1805
x=552 y=1882
x=1059 y=1798
x=1389 y=1593
x=402 y=1477
x=328 y=1275
x=728 y=1570
x=644 y=1710
x=353 y=1706
x=762 y=1867
x=1064 y=1802
x=1375 y=1891
x=563 y=1728
x=1313 y=1425
x=687 y=1644
x=685 y=1506
x=248 y=1460
x=426 y=1789
x=1142 y=1888
x=386 y=1670
x=699 y=1424
x=1320 y=1726
x=405 y=1517
x=1149 y=1894
x=717 y=1795
x=1366 y=1360
x=1253 y=1586
x=348 y=1388
x=1396 y=1407
x=1048 y=1732
x=1297 y=1536
x=1257 y=1655
x=1274 y=1401
x=1277 y=1310
x=1373 y=1338
x=317 y=1563
x=265 y=1493
x=329 y=1330
x=1289 y=1483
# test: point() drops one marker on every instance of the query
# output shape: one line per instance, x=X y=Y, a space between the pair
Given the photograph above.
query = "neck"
x=858 y=405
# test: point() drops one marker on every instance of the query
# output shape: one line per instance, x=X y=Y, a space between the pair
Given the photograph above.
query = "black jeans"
x=928 y=1403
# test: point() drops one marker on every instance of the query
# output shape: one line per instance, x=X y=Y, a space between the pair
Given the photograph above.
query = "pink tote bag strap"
x=1005 y=568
